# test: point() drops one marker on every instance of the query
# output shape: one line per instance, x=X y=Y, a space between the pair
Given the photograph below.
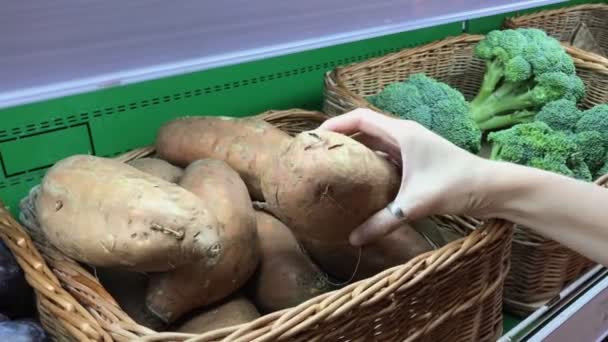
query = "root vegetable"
x=314 y=182
x=286 y=276
x=159 y=168
x=245 y=144
x=106 y=213
x=323 y=185
x=340 y=259
x=173 y=294
x=235 y=311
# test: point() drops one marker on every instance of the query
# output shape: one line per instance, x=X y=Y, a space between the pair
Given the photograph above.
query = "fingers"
x=377 y=226
x=379 y=144
x=361 y=120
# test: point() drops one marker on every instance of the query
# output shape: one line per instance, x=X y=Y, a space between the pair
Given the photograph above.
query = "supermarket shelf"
x=59 y=48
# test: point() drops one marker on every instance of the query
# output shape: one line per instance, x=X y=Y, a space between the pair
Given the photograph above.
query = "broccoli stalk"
x=525 y=69
x=507 y=120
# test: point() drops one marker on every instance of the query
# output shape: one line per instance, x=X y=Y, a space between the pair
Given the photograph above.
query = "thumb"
x=384 y=222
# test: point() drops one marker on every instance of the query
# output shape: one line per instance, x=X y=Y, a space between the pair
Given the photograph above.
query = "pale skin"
x=440 y=178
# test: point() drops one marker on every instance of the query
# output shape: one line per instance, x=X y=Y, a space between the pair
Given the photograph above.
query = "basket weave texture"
x=560 y=23
x=453 y=293
x=540 y=267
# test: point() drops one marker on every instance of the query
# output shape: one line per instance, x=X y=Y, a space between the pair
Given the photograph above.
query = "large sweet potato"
x=106 y=213
x=172 y=294
x=159 y=168
x=323 y=184
x=237 y=310
x=340 y=259
x=286 y=276
x=245 y=144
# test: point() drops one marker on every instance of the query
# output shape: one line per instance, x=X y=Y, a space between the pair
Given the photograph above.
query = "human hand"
x=437 y=178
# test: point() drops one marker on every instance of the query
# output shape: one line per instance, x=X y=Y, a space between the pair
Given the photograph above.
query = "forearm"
x=571 y=212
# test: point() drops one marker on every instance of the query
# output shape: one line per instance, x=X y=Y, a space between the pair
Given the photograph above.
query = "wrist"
x=504 y=187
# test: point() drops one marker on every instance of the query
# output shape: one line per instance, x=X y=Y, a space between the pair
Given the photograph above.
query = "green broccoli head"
x=553 y=86
x=433 y=104
x=537 y=145
x=405 y=101
x=592 y=149
x=604 y=169
x=561 y=115
x=525 y=69
x=595 y=119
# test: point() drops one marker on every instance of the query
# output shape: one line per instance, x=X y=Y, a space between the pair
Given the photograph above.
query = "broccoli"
x=433 y=104
x=592 y=149
x=535 y=144
x=594 y=119
x=588 y=129
x=604 y=169
x=561 y=115
x=525 y=69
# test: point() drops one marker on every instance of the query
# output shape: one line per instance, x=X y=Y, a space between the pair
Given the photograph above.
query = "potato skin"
x=286 y=276
x=237 y=310
x=159 y=168
x=323 y=185
x=339 y=259
x=246 y=144
x=173 y=294
x=106 y=213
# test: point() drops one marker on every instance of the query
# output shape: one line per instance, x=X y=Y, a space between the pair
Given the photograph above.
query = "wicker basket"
x=560 y=23
x=453 y=293
x=540 y=267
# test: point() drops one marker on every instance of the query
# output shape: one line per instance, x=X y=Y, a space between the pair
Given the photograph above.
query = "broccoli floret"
x=433 y=104
x=592 y=148
x=592 y=136
x=535 y=144
x=604 y=169
x=561 y=115
x=525 y=69
x=595 y=119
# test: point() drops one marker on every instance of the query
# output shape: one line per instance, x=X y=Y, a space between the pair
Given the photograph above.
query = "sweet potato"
x=339 y=259
x=172 y=294
x=323 y=185
x=106 y=213
x=159 y=168
x=129 y=290
x=286 y=276
x=245 y=144
x=237 y=310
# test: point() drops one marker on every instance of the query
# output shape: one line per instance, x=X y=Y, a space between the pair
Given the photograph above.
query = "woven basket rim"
x=287 y=322
x=512 y=21
x=335 y=75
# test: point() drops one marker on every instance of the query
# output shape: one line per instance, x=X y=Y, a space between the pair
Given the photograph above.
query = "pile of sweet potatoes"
x=232 y=218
